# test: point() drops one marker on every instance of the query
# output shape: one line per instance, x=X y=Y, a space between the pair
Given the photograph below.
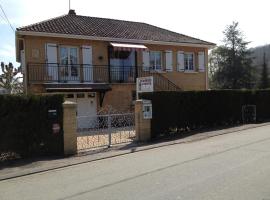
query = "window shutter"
x=51 y=58
x=146 y=60
x=201 y=61
x=87 y=63
x=180 y=61
x=169 y=64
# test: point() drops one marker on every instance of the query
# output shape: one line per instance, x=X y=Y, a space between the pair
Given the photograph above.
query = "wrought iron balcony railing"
x=54 y=72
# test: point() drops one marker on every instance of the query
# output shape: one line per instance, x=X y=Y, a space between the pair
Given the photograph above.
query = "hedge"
x=177 y=111
x=26 y=128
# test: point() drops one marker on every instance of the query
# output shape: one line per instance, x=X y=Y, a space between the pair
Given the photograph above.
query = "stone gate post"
x=142 y=126
x=70 y=127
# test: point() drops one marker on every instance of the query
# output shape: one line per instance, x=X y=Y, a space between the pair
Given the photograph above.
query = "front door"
x=69 y=66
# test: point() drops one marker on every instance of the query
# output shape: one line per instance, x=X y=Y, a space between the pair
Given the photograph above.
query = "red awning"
x=128 y=47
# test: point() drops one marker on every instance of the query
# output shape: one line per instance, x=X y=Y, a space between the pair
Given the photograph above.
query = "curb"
x=111 y=154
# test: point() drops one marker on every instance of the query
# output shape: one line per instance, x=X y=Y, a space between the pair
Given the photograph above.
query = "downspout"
x=109 y=64
x=206 y=70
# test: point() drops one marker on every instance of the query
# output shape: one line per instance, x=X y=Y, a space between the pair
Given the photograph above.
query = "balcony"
x=42 y=73
x=53 y=73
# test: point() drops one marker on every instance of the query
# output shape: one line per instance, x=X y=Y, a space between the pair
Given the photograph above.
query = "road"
x=232 y=166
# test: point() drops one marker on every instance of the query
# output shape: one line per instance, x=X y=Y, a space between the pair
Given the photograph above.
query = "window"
x=189 y=61
x=80 y=95
x=155 y=60
x=70 y=96
x=69 y=61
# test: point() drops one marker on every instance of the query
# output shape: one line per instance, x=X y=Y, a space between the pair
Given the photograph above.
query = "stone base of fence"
x=70 y=128
x=142 y=126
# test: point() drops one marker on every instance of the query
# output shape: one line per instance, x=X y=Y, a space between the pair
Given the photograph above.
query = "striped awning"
x=128 y=47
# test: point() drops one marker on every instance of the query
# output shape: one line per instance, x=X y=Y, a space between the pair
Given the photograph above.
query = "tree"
x=264 y=78
x=9 y=78
x=230 y=63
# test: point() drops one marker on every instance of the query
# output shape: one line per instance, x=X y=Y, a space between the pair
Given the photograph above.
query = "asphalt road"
x=232 y=166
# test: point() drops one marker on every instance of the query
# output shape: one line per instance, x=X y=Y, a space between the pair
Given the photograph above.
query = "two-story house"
x=95 y=61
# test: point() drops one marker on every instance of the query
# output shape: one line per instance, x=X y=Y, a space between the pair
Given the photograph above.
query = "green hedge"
x=176 y=111
x=26 y=128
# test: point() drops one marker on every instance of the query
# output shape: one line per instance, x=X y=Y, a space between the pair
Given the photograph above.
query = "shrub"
x=174 y=111
x=26 y=129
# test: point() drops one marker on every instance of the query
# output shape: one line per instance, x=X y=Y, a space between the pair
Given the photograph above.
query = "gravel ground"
x=101 y=140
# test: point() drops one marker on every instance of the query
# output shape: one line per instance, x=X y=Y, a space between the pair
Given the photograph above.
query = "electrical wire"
x=6 y=18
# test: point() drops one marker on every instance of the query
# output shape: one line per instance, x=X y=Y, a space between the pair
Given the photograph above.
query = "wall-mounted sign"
x=147 y=109
x=145 y=84
x=56 y=128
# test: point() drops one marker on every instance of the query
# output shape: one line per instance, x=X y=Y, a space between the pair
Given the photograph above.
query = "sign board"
x=145 y=84
x=56 y=128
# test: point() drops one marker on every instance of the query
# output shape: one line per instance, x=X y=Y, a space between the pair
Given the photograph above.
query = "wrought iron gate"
x=105 y=130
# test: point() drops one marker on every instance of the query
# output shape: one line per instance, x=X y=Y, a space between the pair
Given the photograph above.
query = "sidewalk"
x=27 y=167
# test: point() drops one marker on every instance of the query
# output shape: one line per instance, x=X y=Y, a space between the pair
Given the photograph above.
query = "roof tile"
x=111 y=28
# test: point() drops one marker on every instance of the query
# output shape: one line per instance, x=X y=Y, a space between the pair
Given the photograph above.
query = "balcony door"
x=122 y=66
x=69 y=68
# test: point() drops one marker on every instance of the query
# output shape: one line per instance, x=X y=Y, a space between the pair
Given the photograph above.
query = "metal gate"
x=105 y=130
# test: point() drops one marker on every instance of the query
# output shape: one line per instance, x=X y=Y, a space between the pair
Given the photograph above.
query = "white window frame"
x=188 y=69
x=155 y=67
x=69 y=47
x=76 y=78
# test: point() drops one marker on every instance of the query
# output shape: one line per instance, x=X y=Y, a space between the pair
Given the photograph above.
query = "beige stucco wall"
x=38 y=43
x=187 y=81
x=120 y=97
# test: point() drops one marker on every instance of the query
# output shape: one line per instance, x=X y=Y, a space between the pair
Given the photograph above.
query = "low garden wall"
x=181 y=111
x=26 y=126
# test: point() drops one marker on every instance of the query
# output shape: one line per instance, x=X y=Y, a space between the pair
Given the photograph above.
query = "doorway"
x=69 y=66
x=122 y=66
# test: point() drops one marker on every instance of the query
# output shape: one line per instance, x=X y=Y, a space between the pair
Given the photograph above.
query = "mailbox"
x=52 y=114
x=147 y=109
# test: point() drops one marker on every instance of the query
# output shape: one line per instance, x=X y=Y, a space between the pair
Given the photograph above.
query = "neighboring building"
x=95 y=61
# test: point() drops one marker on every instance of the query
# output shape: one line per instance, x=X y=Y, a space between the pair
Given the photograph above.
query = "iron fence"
x=105 y=130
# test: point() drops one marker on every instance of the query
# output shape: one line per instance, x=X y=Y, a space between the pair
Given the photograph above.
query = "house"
x=95 y=61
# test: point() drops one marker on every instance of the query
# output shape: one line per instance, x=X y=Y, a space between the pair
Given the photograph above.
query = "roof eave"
x=84 y=37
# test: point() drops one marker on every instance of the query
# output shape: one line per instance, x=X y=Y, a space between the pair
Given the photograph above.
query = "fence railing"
x=55 y=72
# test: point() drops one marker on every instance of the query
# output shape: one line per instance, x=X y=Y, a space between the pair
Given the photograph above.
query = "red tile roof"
x=101 y=27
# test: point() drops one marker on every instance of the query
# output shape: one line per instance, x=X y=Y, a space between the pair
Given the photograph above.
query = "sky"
x=205 y=19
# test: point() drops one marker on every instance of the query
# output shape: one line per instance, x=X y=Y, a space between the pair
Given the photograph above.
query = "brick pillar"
x=70 y=128
x=142 y=126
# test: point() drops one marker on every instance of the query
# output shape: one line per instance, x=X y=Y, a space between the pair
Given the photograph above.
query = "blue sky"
x=202 y=19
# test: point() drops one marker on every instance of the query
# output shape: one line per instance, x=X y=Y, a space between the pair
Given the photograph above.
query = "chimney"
x=71 y=12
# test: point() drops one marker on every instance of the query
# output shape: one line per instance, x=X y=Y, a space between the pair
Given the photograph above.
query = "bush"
x=176 y=111
x=26 y=129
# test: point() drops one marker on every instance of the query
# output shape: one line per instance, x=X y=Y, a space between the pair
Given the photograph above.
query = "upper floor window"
x=189 y=61
x=69 y=59
x=155 y=60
